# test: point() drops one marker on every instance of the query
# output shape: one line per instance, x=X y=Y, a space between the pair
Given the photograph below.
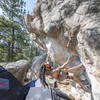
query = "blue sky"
x=0 y=11
x=29 y=5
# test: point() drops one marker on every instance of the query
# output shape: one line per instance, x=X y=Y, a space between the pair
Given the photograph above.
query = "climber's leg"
x=73 y=68
x=71 y=75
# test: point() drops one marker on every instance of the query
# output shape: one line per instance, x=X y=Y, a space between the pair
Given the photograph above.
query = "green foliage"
x=14 y=40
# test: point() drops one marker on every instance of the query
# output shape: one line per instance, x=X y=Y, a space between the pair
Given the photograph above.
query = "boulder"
x=18 y=69
x=33 y=72
x=69 y=27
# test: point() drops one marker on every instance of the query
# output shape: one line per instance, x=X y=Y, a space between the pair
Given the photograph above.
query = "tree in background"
x=14 y=40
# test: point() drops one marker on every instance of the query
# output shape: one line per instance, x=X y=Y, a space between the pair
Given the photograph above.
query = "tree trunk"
x=9 y=52
x=13 y=42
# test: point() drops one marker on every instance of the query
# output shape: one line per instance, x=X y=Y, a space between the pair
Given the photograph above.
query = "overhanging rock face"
x=69 y=27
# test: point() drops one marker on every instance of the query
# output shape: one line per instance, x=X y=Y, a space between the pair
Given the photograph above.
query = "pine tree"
x=14 y=39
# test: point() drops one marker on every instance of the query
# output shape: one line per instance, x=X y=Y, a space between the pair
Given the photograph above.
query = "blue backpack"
x=10 y=87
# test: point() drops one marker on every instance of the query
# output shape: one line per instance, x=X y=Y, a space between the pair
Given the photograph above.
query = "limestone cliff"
x=69 y=27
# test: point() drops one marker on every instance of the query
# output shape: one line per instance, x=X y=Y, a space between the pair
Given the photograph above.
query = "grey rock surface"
x=46 y=94
x=66 y=28
x=39 y=94
x=18 y=69
x=33 y=72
